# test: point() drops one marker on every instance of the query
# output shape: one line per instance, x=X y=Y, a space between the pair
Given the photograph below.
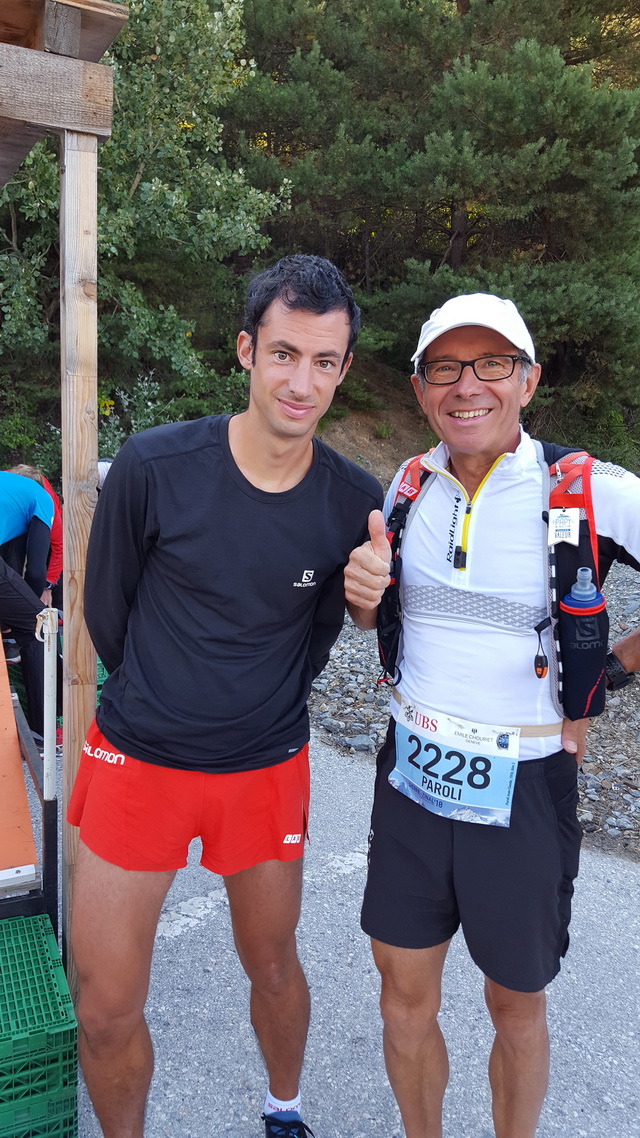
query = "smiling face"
x=295 y=366
x=477 y=420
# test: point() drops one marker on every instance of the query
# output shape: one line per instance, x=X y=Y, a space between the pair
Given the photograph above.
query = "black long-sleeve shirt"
x=213 y=603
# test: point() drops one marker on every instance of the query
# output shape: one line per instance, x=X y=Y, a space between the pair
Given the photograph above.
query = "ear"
x=244 y=347
x=417 y=384
x=346 y=367
x=528 y=387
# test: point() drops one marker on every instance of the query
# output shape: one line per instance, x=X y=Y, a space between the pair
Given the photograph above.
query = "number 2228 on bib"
x=461 y=770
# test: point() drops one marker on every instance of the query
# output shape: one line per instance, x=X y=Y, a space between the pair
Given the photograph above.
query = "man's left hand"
x=574 y=737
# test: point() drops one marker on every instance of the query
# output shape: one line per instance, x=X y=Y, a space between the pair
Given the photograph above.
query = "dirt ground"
x=381 y=436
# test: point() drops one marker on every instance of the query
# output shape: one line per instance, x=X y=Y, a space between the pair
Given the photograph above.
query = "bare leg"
x=414 y=1049
x=115 y=913
x=265 y=908
x=519 y=1062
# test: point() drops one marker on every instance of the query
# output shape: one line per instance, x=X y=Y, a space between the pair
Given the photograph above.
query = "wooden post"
x=78 y=337
x=49 y=82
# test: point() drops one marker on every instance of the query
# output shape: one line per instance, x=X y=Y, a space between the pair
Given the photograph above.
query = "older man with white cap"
x=474 y=819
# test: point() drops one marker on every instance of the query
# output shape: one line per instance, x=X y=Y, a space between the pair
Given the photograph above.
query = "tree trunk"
x=456 y=250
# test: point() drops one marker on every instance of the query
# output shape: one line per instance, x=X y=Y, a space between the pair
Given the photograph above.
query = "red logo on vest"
x=408 y=490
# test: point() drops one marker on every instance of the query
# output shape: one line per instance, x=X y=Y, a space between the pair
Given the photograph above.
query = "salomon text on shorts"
x=142 y=817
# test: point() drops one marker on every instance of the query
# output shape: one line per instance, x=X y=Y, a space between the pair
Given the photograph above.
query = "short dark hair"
x=304 y=282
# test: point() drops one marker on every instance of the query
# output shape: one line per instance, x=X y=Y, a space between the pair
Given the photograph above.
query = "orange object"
x=16 y=835
x=142 y=817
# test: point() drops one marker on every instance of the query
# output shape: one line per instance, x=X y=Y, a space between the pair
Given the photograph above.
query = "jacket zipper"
x=461 y=551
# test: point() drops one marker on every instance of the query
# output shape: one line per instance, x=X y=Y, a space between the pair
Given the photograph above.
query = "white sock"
x=273 y=1105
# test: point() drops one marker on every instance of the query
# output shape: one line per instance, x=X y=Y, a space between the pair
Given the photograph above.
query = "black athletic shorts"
x=509 y=887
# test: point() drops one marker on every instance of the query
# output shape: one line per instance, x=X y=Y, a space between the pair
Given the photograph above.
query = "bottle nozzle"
x=583 y=589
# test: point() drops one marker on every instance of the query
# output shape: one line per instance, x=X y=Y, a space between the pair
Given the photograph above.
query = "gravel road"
x=352 y=710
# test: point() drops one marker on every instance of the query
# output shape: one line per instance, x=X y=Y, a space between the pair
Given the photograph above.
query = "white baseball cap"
x=477 y=308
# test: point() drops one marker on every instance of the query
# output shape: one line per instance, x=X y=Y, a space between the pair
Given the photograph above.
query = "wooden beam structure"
x=52 y=93
x=60 y=30
x=24 y=23
x=51 y=30
x=51 y=82
x=16 y=140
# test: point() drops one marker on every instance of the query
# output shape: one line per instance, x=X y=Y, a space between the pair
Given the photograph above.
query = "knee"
x=271 y=973
x=518 y=1017
x=408 y=1009
x=107 y=1017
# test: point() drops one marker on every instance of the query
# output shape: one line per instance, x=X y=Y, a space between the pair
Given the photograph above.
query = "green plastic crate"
x=38 y=1034
x=41 y=1116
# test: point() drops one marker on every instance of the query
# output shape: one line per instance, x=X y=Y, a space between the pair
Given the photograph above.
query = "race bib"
x=453 y=767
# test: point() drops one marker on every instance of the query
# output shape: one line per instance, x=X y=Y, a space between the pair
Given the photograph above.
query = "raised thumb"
x=378 y=535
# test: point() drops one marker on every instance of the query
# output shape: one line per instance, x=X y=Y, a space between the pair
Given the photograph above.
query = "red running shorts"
x=142 y=817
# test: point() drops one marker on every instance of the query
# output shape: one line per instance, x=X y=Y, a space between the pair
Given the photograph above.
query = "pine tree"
x=439 y=147
x=171 y=210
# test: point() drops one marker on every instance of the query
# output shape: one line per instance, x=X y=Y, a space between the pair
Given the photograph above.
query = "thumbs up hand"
x=366 y=574
x=378 y=537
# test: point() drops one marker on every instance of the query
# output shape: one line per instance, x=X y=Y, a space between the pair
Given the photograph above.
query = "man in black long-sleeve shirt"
x=214 y=594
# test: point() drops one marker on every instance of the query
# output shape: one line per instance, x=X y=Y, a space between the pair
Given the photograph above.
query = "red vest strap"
x=568 y=469
x=409 y=486
x=408 y=490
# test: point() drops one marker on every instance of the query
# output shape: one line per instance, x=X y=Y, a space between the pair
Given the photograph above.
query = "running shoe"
x=291 y=1126
x=11 y=651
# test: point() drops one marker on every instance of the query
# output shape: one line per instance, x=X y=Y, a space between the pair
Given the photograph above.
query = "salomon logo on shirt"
x=307 y=581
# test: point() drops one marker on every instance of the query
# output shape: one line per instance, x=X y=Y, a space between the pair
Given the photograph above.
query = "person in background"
x=26 y=517
x=52 y=595
x=54 y=561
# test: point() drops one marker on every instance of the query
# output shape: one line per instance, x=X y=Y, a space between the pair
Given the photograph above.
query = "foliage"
x=435 y=148
x=145 y=404
x=354 y=391
x=122 y=412
x=429 y=147
x=168 y=197
x=47 y=454
x=352 y=104
x=141 y=407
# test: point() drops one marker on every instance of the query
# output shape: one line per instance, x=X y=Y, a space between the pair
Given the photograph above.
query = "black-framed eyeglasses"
x=443 y=372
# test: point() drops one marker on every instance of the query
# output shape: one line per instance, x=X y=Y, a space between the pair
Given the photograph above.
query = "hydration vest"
x=566 y=485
